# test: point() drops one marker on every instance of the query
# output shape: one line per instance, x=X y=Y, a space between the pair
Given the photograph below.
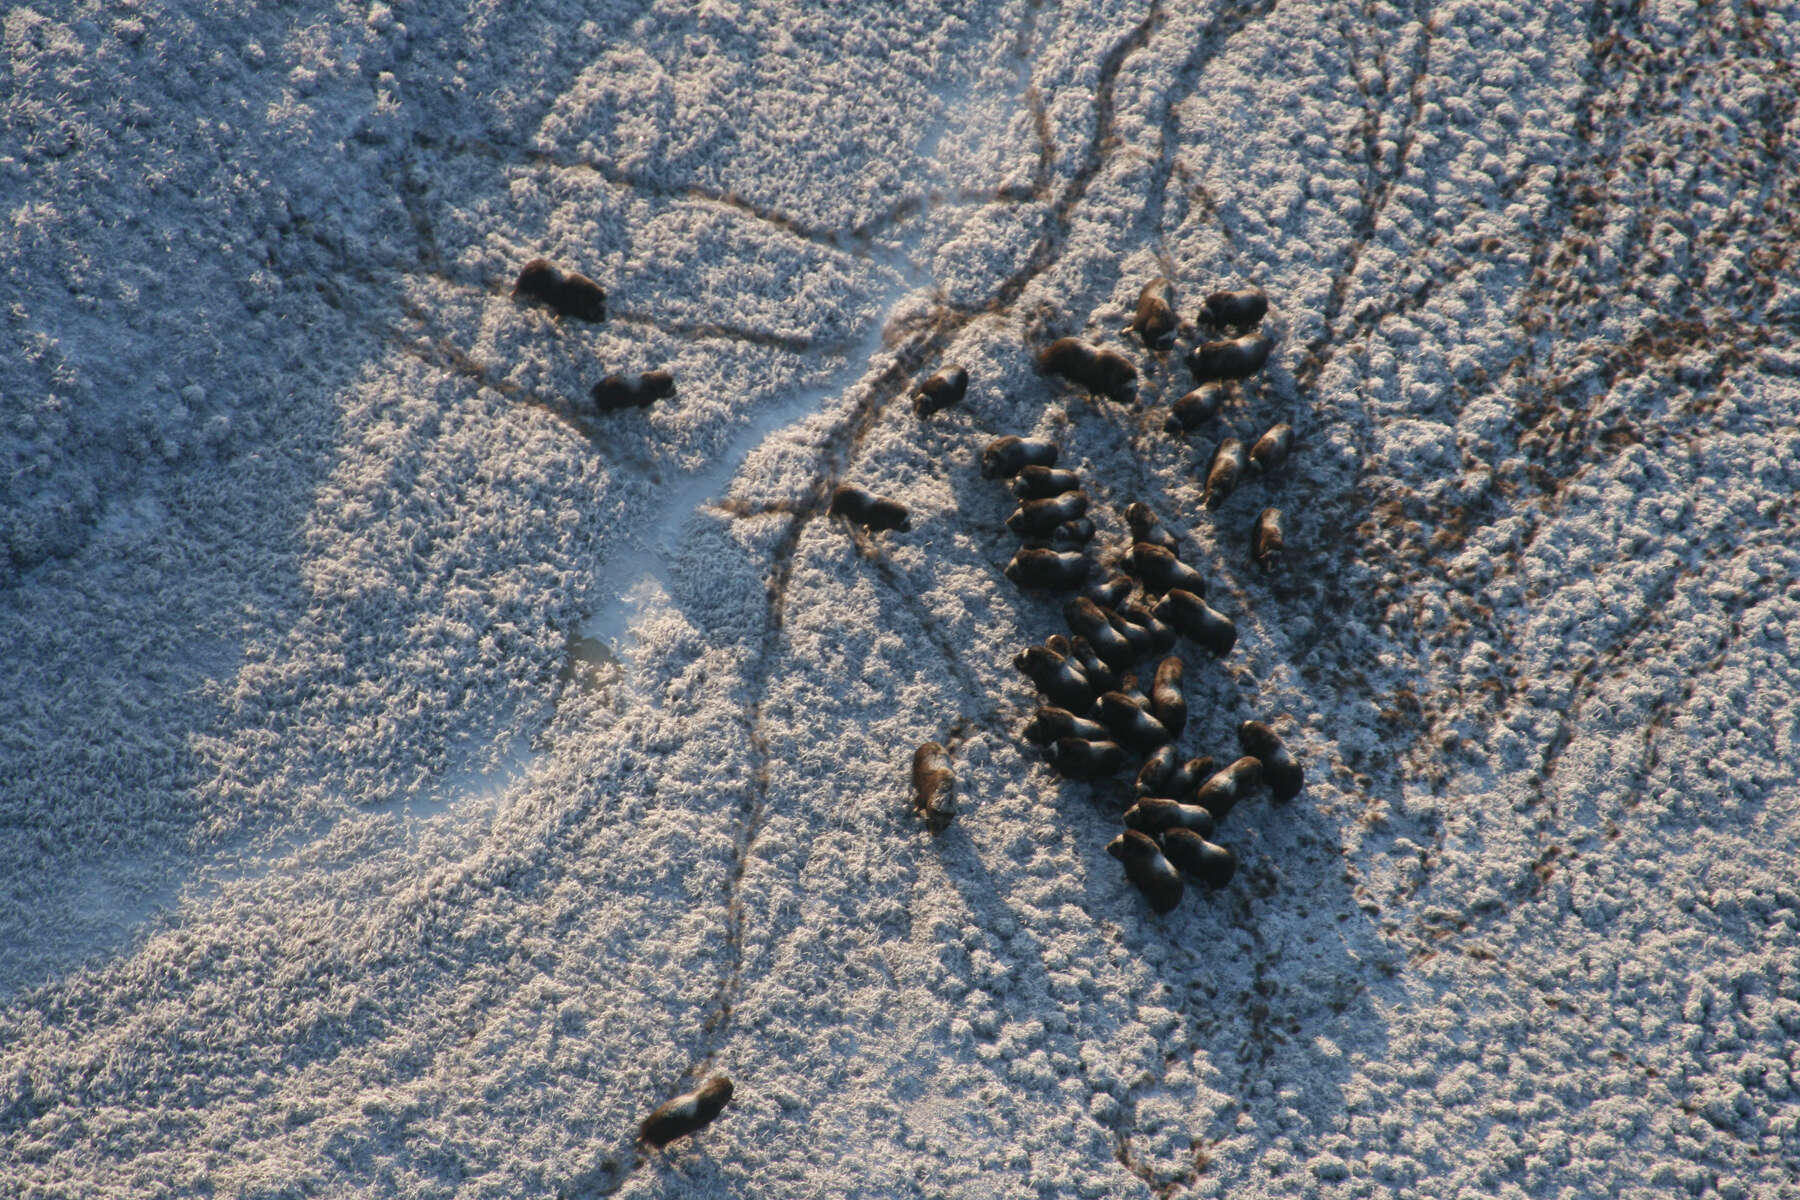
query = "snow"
x=410 y=778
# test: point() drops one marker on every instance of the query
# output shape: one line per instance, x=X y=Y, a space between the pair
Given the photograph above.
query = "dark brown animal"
x=1050 y=724
x=1151 y=873
x=1223 y=474
x=1050 y=570
x=1195 y=619
x=1267 y=539
x=1155 y=319
x=1160 y=571
x=1039 y=483
x=933 y=786
x=867 y=509
x=1167 y=704
x=632 y=391
x=1153 y=814
x=1105 y=372
x=1036 y=518
x=1220 y=793
x=687 y=1113
x=1056 y=677
x=1238 y=358
x=570 y=294
x=1006 y=456
x=1195 y=409
x=1271 y=449
x=1280 y=770
x=1131 y=724
x=1239 y=310
x=1188 y=849
x=943 y=389
x=1075 y=758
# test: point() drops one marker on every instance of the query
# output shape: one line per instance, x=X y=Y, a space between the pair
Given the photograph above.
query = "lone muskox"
x=1188 y=849
x=1006 y=456
x=943 y=389
x=1241 y=309
x=933 y=786
x=1106 y=372
x=570 y=294
x=1267 y=539
x=1155 y=319
x=1223 y=474
x=1238 y=358
x=1280 y=770
x=1196 y=619
x=1271 y=449
x=632 y=391
x=1195 y=409
x=1148 y=870
x=1050 y=570
x=868 y=509
x=687 y=1113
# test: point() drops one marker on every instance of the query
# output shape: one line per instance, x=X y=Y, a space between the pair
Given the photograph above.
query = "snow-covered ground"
x=409 y=778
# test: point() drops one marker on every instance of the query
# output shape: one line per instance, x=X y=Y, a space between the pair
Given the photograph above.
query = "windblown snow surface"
x=409 y=778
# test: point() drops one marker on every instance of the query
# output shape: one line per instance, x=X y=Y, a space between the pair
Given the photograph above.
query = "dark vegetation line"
x=1565 y=424
x=843 y=444
x=1208 y=46
x=1378 y=182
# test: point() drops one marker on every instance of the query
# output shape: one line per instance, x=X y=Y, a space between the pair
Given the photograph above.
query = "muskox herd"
x=1124 y=608
x=1134 y=606
x=1097 y=721
x=571 y=294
